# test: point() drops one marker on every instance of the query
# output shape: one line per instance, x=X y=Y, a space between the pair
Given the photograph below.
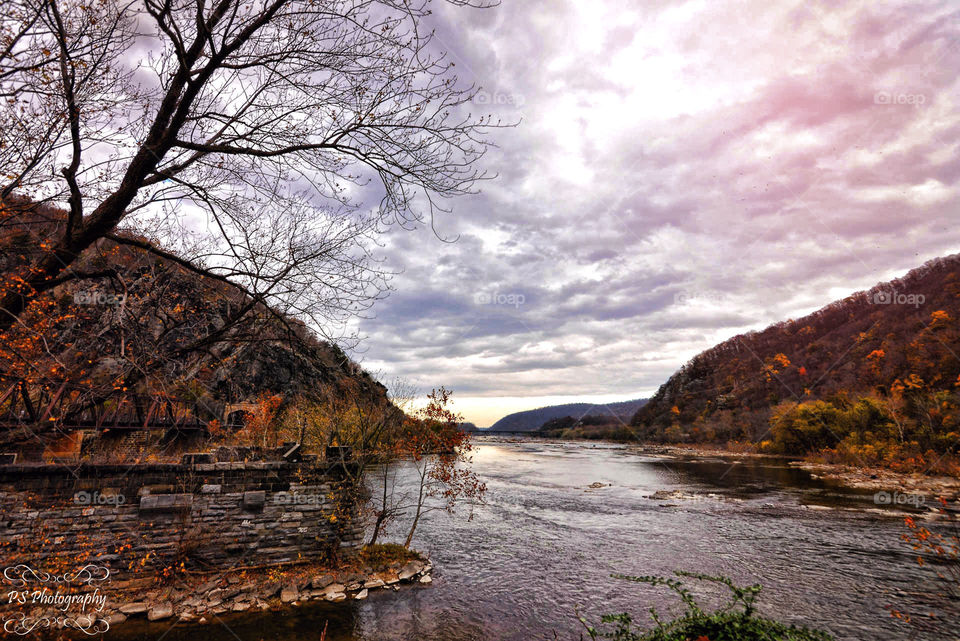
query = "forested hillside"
x=872 y=378
x=130 y=323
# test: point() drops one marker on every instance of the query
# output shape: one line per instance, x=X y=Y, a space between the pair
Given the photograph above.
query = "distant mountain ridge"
x=529 y=420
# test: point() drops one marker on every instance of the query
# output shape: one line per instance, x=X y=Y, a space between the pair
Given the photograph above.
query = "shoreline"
x=201 y=600
x=849 y=476
x=872 y=478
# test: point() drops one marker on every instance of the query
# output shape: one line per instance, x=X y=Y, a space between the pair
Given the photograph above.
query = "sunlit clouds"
x=682 y=172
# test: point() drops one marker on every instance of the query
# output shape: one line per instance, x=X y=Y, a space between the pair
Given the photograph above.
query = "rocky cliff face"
x=143 y=335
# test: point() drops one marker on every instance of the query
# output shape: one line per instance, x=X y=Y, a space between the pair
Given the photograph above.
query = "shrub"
x=381 y=555
x=813 y=425
x=737 y=621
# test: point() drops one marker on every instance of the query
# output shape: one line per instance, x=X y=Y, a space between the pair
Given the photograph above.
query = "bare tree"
x=251 y=132
x=146 y=334
x=385 y=505
x=416 y=460
x=241 y=142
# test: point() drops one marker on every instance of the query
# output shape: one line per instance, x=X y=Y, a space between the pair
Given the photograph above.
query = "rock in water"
x=134 y=608
x=410 y=570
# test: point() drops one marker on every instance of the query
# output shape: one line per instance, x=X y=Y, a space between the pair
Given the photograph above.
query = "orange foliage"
x=433 y=440
x=939 y=551
x=261 y=425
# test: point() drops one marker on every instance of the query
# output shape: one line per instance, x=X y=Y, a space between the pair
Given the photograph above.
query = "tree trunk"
x=376 y=528
x=416 y=517
x=413 y=528
x=382 y=514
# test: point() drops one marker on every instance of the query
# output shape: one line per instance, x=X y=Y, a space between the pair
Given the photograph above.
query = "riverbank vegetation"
x=736 y=621
x=381 y=555
x=872 y=431
x=587 y=427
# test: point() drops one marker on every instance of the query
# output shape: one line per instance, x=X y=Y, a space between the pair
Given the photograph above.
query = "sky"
x=681 y=172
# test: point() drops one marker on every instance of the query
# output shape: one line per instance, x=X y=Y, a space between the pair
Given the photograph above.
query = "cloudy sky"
x=682 y=172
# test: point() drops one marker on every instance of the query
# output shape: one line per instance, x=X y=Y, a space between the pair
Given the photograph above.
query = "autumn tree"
x=375 y=445
x=261 y=425
x=439 y=452
x=242 y=142
x=148 y=335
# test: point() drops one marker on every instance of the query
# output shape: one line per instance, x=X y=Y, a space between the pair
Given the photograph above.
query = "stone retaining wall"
x=219 y=514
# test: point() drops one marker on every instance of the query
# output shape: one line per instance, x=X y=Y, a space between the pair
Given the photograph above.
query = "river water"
x=543 y=544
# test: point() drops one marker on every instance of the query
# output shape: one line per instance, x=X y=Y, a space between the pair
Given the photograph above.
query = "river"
x=543 y=544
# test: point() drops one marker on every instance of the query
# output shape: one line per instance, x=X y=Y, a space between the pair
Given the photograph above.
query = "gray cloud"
x=681 y=173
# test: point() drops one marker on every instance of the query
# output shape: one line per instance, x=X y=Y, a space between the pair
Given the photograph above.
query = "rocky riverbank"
x=877 y=479
x=242 y=591
x=694 y=452
x=880 y=479
x=202 y=600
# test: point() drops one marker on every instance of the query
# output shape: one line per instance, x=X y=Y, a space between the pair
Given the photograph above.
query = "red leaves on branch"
x=440 y=450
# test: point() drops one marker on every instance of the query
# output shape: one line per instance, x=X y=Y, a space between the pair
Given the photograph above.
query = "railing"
x=49 y=407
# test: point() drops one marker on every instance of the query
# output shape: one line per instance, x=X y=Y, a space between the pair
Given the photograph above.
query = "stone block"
x=160 y=611
x=193 y=458
x=321 y=581
x=166 y=502
x=253 y=501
